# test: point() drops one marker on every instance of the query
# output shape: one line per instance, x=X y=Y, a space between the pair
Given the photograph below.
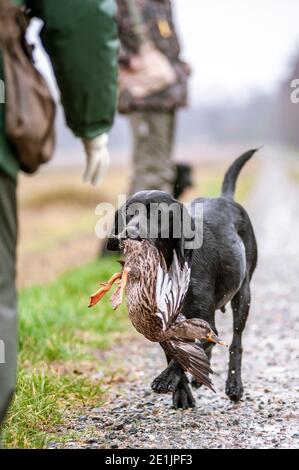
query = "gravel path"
x=267 y=417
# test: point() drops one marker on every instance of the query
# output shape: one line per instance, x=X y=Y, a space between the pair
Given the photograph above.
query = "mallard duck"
x=154 y=297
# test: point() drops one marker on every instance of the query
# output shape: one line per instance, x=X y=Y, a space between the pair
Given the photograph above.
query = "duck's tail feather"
x=192 y=358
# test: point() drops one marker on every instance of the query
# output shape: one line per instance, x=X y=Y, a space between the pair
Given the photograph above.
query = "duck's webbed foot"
x=169 y=379
x=117 y=297
x=182 y=397
x=105 y=287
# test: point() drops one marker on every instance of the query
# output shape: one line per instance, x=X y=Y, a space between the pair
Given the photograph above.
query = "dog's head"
x=155 y=216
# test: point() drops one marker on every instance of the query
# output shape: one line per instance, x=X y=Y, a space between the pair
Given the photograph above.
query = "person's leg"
x=8 y=298
x=172 y=131
x=153 y=135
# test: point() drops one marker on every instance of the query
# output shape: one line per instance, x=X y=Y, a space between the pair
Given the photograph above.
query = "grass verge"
x=58 y=360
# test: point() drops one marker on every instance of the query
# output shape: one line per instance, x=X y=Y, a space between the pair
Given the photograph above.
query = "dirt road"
x=267 y=417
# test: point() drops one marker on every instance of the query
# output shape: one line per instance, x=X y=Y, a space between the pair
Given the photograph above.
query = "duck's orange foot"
x=117 y=296
x=106 y=286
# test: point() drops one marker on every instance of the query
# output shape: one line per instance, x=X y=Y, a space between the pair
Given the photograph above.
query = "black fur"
x=221 y=270
x=183 y=179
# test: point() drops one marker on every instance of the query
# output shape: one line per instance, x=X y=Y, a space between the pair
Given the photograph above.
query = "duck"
x=154 y=296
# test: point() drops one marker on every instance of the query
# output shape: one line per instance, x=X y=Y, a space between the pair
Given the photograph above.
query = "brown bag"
x=30 y=109
x=173 y=97
x=156 y=73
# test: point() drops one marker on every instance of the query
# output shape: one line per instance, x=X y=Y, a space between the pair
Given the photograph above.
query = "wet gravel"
x=267 y=416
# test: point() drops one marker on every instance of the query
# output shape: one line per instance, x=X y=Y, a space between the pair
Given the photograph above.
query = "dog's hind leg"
x=240 y=306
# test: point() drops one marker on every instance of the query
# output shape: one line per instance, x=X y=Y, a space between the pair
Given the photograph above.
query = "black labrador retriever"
x=222 y=259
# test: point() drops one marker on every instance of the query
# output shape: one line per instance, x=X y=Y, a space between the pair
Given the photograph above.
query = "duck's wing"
x=171 y=289
x=192 y=358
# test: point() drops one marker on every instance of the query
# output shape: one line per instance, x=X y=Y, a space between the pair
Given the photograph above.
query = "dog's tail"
x=231 y=176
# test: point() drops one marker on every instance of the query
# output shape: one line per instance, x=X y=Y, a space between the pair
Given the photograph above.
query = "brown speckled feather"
x=154 y=298
x=192 y=358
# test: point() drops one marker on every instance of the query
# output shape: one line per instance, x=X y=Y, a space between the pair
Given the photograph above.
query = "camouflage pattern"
x=159 y=27
x=153 y=135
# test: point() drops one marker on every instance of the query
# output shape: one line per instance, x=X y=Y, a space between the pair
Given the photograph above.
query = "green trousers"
x=8 y=297
x=153 y=134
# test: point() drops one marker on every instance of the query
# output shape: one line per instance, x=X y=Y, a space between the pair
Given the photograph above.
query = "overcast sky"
x=236 y=47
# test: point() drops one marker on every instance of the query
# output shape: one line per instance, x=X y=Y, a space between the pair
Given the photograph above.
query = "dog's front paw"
x=234 y=389
x=182 y=397
x=166 y=382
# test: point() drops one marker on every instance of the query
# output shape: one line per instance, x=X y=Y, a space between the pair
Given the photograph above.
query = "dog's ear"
x=178 y=234
x=187 y=234
x=118 y=227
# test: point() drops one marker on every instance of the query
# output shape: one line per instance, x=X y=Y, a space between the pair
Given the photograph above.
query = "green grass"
x=59 y=337
x=41 y=403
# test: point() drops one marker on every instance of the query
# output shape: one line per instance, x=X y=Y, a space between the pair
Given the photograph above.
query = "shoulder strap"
x=13 y=21
x=13 y=25
x=137 y=21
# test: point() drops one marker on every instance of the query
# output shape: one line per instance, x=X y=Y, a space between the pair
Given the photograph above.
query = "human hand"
x=97 y=159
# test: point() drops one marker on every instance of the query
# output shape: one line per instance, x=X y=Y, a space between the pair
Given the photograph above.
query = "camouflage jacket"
x=159 y=27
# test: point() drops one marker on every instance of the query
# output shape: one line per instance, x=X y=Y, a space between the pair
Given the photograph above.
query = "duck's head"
x=196 y=328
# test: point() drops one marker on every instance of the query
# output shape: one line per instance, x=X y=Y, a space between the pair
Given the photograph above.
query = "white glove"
x=97 y=158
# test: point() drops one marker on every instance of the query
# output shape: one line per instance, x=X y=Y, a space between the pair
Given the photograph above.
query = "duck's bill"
x=215 y=339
